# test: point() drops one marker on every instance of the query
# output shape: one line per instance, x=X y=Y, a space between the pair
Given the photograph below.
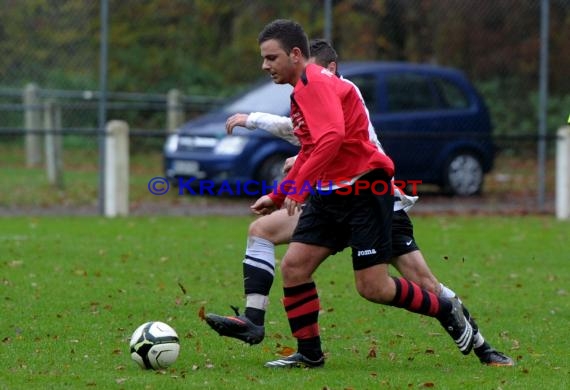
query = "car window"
x=452 y=95
x=366 y=85
x=269 y=97
x=410 y=92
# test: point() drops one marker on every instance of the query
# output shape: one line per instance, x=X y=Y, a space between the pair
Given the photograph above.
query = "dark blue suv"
x=430 y=120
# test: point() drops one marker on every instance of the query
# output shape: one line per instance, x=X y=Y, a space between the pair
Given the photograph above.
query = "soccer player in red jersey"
x=331 y=124
x=277 y=228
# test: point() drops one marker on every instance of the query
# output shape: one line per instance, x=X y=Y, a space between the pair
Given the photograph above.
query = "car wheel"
x=463 y=174
x=271 y=170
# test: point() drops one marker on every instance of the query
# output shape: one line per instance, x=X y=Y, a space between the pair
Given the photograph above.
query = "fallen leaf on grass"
x=80 y=272
x=201 y=313
x=285 y=351
x=516 y=344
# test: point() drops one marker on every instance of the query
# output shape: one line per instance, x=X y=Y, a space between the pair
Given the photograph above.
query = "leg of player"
x=376 y=285
x=413 y=266
x=302 y=304
x=410 y=263
x=258 y=274
x=368 y=232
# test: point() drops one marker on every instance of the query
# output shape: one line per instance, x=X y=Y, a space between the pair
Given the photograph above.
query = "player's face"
x=277 y=62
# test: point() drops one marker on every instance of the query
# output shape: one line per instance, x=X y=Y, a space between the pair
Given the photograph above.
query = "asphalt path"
x=428 y=204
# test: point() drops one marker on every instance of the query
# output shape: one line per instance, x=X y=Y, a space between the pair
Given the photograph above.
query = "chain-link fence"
x=170 y=61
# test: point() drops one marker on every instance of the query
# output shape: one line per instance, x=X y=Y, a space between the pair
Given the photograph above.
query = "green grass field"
x=74 y=289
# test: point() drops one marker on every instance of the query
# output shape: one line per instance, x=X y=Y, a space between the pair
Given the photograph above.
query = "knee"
x=295 y=272
x=290 y=272
x=257 y=229
x=292 y=268
x=375 y=292
x=285 y=268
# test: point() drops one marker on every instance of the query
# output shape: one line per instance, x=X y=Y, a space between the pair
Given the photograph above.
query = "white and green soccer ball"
x=154 y=345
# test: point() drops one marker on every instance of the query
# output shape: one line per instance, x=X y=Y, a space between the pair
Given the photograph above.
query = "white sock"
x=446 y=292
x=260 y=253
x=257 y=301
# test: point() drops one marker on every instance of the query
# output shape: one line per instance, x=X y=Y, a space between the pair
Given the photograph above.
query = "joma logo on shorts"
x=367 y=252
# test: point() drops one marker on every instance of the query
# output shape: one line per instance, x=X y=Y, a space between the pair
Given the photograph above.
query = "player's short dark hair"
x=290 y=34
x=323 y=52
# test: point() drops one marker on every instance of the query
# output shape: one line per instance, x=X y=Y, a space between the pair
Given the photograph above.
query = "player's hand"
x=263 y=206
x=235 y=120
x=289 y=164
x=292 y=206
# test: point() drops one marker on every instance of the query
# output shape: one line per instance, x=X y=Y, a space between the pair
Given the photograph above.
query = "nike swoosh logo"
x=408 y=243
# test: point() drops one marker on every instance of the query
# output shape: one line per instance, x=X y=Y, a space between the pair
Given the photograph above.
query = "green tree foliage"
x=210 y=46
x=202 y=46
x=48 y=42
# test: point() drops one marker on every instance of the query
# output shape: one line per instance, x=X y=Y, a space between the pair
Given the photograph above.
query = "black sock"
x=257 y=316
x=482 y=348
x=310 y=348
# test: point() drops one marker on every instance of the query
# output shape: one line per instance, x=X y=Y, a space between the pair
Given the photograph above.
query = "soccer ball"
x=154 y=345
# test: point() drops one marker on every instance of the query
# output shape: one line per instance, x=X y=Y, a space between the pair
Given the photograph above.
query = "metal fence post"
x=53 y=143
x=563 y=173
x=117 y=169
x=32 y=124
x=175 y=112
